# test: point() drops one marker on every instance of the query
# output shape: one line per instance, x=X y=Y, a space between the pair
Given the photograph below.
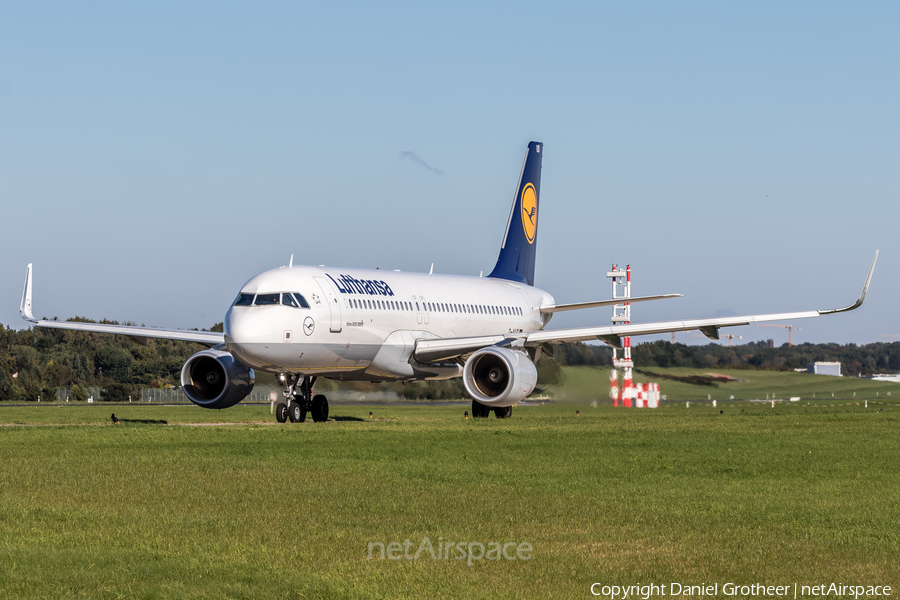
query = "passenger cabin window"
x=267 y=299
x=244 y=300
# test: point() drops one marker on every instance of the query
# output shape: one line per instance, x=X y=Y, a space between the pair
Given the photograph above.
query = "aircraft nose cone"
x=245 y=325
x=248 y=335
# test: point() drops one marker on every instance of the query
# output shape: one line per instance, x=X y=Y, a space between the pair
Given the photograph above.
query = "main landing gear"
x=300 y=401
x=481 y=411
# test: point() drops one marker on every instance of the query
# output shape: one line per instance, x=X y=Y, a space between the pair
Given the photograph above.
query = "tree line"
x=866 y=359
x=34 y=362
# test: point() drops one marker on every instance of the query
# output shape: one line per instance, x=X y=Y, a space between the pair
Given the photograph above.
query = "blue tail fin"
x=516 y=261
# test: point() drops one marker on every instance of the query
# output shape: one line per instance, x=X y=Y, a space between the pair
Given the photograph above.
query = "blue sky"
x=153 y=158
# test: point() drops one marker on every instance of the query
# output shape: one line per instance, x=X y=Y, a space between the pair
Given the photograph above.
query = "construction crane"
x=790 y=329
x=731 y=338
x=727 y=336
x=890 y=338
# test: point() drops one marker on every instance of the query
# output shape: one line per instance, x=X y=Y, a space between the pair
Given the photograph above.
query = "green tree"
x=4 y=382
x=79 y=368
x=114 y=362
x=118 y=392
x=78 y=393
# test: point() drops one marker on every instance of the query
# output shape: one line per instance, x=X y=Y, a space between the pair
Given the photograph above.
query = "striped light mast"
x=621 y=289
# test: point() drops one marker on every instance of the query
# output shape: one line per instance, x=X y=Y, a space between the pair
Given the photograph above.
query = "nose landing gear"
x=281 y=412
x=300 y=401
x=297 y=412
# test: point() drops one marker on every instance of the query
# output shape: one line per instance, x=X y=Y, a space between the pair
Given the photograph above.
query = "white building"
x=824 y=368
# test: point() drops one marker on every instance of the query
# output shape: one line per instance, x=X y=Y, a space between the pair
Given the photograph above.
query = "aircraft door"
x=418 y=309
x=334 y=304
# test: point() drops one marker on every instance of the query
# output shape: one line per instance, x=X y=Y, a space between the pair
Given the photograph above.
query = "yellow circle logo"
x=529 y=212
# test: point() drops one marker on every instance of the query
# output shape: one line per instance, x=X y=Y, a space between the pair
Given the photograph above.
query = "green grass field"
x=582 y=383
x=752 y=494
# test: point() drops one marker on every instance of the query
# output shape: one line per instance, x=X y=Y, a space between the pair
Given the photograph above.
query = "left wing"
x=140 y=334
x=442 y=349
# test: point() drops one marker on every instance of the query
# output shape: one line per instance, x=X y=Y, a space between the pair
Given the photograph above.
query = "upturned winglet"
x=141 y=334
x=25 y=305
x=862 y=296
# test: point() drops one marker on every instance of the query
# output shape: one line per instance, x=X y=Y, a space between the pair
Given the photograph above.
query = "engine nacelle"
x=498 y=376
x=216 y=379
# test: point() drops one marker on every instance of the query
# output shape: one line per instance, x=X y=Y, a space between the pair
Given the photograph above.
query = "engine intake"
x=497 y=376
x=215 y=379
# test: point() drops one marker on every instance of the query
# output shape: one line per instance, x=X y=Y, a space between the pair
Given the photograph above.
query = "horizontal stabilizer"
x=552 y=308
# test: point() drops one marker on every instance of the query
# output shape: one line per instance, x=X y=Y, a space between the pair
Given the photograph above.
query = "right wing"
x=140 y=334
x=433 y=350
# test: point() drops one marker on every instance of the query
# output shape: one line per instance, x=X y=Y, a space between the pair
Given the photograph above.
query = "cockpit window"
x=293 y=299
x=244 y=300
x=267 y=299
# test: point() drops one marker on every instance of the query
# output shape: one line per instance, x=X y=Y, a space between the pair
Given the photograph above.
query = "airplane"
x=305 y=322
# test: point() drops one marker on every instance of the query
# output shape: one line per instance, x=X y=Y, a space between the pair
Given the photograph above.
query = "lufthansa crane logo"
x=529 y=212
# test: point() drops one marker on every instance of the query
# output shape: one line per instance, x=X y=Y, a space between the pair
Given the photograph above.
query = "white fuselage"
x=363 y=324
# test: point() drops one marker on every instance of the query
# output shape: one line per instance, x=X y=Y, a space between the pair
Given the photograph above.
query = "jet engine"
x=496 y=376
x=215 y=379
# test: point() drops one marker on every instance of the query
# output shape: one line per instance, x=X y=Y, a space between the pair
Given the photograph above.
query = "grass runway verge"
x=752 y=494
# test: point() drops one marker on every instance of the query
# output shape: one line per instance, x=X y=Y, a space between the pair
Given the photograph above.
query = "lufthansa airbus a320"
x=303 y=322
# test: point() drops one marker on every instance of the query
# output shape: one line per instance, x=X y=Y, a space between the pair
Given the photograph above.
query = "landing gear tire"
x=297 y=412
x=319 y=408
x=503 y=412
x=479 y=410
x=281 y=412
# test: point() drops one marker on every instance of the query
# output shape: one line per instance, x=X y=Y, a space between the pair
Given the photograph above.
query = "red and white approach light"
x=644 y=395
